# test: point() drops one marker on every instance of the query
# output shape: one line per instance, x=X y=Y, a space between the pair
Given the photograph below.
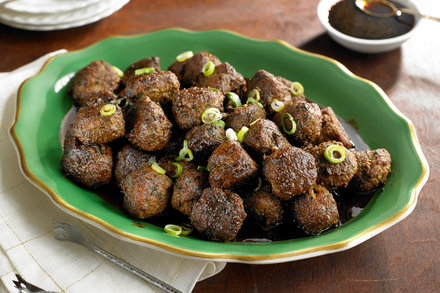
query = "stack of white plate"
x=44 y=15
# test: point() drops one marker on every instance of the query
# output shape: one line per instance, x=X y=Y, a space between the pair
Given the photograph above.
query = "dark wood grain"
x=404 y=258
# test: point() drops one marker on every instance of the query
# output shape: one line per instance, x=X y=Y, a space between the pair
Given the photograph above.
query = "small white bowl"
x=363 y=45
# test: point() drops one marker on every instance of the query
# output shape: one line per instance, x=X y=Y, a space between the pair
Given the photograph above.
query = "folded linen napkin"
x=27 y=244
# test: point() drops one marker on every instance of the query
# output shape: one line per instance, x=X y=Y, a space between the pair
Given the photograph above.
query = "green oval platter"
x=42 y=105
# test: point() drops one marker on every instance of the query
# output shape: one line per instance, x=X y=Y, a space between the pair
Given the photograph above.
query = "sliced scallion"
x=186 y=229
x=296 y=88
x=172 y=229
x=144 y=70
x=234 y=98
x=334 y=154
x=203 y=168
x=230 y=134
x=208 y=68
x=241 y=135
x=155 y=166
x=179 y=170
x=220 y=123
x=185 y=153
x=276 y=105
x=252 y=100
x=260 y=182
x=255 y=121
x=210 y=115
x=107 y=110
x=254 y=94
x=118 y=71
x=185 y=55
x=292 y=128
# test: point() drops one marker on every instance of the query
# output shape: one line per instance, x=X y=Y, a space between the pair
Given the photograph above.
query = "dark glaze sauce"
x=348 y=19
x=349 y=202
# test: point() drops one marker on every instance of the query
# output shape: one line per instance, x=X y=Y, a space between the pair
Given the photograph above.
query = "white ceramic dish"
x=47 y=6
x=363 y=45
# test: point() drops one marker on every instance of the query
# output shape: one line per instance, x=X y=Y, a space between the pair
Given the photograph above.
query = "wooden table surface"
x=404 y=258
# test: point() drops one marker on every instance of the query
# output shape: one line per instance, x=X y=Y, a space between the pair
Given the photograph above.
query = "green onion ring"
x=208 y=68
x=234 y=98
x=230 y=134
x=293 y=129
x=334 y=154
x=172 y=229
x=254 y=94
x=210 y=115
x=203 y=168
x=260 y=182
x=296 y=88
x=183 y=152
x=179 y=170
x=144 y=70
x=185 y=55
x=213 y=89
x=276 y=105
x=189 y=156
x=118 y=71
x=155 y=166
x=107 y=110
x=220 y=123
x=186 y=229
x=252 y=100
x=122 y=102
x=241 y=135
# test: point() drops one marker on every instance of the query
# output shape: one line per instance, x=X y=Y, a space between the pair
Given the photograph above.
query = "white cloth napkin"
x=27 y=244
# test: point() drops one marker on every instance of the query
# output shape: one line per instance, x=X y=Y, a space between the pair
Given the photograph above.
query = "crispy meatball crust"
x=147 y=125
x=90 y=127
x=204 y=139
x=89 y=165
x=189 y=70
x=265 y=208
x=189 y=105
x=159 y=86
x=308 y=120
x=128 y=159
x=316 y=210
x=218 y=215
x=244 y=116
x=91 y=81
x=264 y=137
x=373 y=169
x=333 y=176
x=146 y=192
x=270 y=88
x=332 y=129
x=230 y=166
x=291 y=171
x=153 y=62
x=224 y=78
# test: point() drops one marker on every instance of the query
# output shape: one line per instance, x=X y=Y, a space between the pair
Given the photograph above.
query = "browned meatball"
x=230 y=166
x=308 y=120
x=203 y=139
x=315 y=211
x=188 y=71
x=332 y=129
x=218 y=215
x=225 y=78
x=153 y=62
x=89 y=82
x=271 y=88
x=146 y=192
x=291 y=171
x=332 y=176
x=244 y=116
x=373 y=169
x=189 y=105
x=91 y=127
x=264 y=137
x=265 y=208
x=188 y=186
x=147 y=126
x=159 y=86
x=128 y=159
x=89 y=165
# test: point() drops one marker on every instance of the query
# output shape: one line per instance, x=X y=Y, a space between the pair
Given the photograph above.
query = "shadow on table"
x=382 y=69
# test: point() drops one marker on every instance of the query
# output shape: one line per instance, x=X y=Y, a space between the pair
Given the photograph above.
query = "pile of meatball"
x=272 y=173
